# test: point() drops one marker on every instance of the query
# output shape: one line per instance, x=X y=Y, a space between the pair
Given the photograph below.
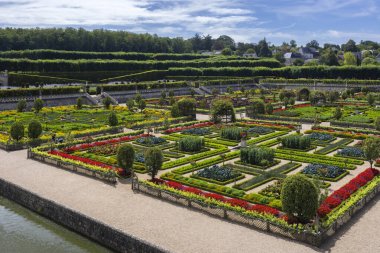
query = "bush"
x=299 y=197
x=187 y=107
x=153 y=160
x=38 y=105
x=296 y=142
x=21 y=106
x=79 y=103
x=112 y=119
x=222 y=110
x=269 y=109
x=126 y=157
x=107 y=102
x=17 y=131
x=191 y=144
x=261 y=156
x=34 y=129
x=231 y=133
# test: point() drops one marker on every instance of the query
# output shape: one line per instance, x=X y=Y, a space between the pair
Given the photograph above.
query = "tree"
x=269 y=108
x=369 y=61
x=371 y=99
x=371 y=148
x=107 y=102
x=227 y=51
x=292 y=101
x=229 y=90
x=126 y=157
x=350 y=59
x=21 y=106
x=138 y=97
x=17 y=131
x=38 y=105
x=34 y=129
x=130 y=104
x=263 y=49
x=299 y=197
x=79 y=103
x=112 y=119
x=350 y=46
x=338 y=113
x=153 y=160
x=313 y=44
x=222 y=109
x=329 y=58
x=293 y=43
x=279 y=56
x=298 y=62
x=377 y=123
x=175 y=111
x=187 y=107
x=142 y=105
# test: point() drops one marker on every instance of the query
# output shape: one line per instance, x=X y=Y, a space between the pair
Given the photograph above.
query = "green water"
x=24 y=231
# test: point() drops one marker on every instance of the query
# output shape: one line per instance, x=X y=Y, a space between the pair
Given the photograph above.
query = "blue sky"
x=332 y=21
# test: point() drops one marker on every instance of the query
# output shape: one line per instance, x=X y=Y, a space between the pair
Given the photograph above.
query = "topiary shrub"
x=153 y=160
x=107 y=102
x=79 y=103
x=231 y=133
x=261 y=156
x=34 y=129
x=112 y=119
x=191 y=144
x=296 y=142
x=126 y=157
x=17 y=131
x=38 y=105
x=21 y=106
x=299 y=197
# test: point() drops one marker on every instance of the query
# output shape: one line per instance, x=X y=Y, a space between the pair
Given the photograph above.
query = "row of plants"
x=197 y=131
x=185 y=127
x=150 y=141
x=318 y=81
x=296 y=142
x=34 y=92
x=261 y=156
x=218 y=174
x=333 y=146
x=231 y=133
x=266 y=137
x=340 y=134
x=326 y=172
x=344 y=129
x=351 y=152
x=191 y=144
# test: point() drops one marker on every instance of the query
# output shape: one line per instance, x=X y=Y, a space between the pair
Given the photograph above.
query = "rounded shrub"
x=21 y=106
x=17 y=131
x=38 y=105
x=112 y=119
x=299 y=197
x=34 y=129
x=153 y=160
x=126 y=157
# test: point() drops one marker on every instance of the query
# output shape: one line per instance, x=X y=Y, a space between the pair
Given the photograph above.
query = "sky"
x=327 y=21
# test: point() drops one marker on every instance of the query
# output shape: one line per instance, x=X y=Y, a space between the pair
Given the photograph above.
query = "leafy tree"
x=313 y=44
x=279 y=56
x=371 y=99
x=329 y=58
x=263 y=49
x=293 y=43
x=79 y=103
x=17 y=131
x=229 y=90
x=292 y=101
x=344 y=95
x=227 y=51
x=130 y=104
x=34 y=129
x=187 y=107
x=107 y=102
x=369 y=61
x=269 y=108
x=112 y=119
x=371 y=148
x=21 y=106
x=171 y=93
x=350 y=46
x=299 y=197
x=298 y=62
x=350 y=59
x=175 y=111
x=142 y=105
x=257 y=107
x=126 y=157
x=222 y=109
x=153 y=160
x=138 y=97
x=377 y=123
x=38 y=105
x=338 y=113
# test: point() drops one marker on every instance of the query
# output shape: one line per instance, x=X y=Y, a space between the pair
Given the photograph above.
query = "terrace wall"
x=78 y=222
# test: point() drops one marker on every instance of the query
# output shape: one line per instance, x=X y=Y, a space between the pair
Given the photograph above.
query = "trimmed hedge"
x=35 y=91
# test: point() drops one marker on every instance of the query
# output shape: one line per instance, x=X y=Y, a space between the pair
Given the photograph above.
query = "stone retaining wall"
x=80 y=223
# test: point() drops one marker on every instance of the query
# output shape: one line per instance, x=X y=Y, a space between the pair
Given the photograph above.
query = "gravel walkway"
x=173 y=227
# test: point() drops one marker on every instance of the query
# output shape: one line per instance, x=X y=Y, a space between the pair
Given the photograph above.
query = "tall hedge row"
x=257 y=155
x=36 y=91
x=325 y=81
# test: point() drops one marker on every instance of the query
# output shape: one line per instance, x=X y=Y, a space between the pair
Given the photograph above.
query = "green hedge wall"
x=35 y=91
x=18 y=79
x=326 y=81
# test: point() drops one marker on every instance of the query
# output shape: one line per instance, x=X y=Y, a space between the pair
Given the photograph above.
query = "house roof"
x=292 y=55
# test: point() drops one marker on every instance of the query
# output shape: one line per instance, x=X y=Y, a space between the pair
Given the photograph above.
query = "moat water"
x=22 y=231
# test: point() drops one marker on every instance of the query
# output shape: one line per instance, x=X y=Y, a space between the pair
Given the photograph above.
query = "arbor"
x=371 y=148
x=126 y=157
x=153 y=160
x=17 y=131
x=34 y=129
x=21 y=106
x=299 y=197
x=38 y=105
x=350 y=59
x=112 y=119
x=222 y=109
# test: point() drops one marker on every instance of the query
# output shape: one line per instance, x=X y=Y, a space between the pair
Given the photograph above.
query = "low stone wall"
x=80 y=223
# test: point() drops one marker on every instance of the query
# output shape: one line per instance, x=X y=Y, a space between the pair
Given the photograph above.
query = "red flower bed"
x=264 y=209
x=179 y=129
x=214 y=196
x=194 y=190
x=105 y=142
x=238 y=202
x=174 y=185
x=87 y=161
x=343 y=193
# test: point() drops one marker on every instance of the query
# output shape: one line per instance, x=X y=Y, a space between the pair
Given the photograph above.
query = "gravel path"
x=173 y=227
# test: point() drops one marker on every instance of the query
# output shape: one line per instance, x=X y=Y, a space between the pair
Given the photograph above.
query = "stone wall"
x=80 y=223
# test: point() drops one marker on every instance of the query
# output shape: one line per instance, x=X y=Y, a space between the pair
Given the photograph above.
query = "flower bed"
x=180 y=129
x=321 y=137
x=344 y=193
x=324 y=171
x=150 y=141
x=333 y=146
x=260 y=130
x=197 y=131
x=351 y=152
x=219 y=174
